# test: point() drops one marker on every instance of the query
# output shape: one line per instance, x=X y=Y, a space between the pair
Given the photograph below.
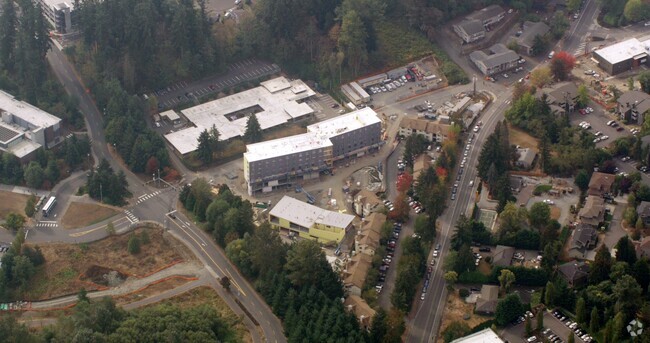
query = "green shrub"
x=473 y=277
x=463 y=292
x=539 y=189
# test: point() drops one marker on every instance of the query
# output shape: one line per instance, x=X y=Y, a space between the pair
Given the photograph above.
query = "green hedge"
x=523 y=276
x=473 y=277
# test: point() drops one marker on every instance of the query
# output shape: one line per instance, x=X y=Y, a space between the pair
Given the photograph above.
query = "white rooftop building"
x=24 y=128
x=274 y=102
x=483 y=336
x=623 y=56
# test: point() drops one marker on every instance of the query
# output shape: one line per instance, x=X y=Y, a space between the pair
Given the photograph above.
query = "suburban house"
x=516 y=183
x=632 y=106
x=486 y=303
x=365 y=202
x=354 y=275
x=309 y=221
x=527 y=39
x=600 y=184
x=643 y=211
x=575 y=273
x=367 y=239
x=489 y=15
x=500 y=59
x=503 y=256
x=564 y=95
x=583 y=238
x=526 y=158
x=642 y=247
x=432 y=131
x=593 y=213
x=361 y=310
x=470 y=30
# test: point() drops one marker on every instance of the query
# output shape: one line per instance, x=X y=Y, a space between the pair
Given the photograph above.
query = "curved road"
x=155 y=209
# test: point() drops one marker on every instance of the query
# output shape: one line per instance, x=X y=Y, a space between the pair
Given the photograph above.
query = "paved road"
x=424 y=325
x=575 y=41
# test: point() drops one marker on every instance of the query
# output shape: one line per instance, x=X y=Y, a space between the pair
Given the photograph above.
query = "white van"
x=551 y=54
x=471 y=183
x=531 y=339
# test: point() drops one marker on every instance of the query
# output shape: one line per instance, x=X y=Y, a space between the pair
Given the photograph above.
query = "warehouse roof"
x=624 y=50
x=186 y=140
x=345 y=123
x=483 y=336
x=26 y=112
x=307 y=215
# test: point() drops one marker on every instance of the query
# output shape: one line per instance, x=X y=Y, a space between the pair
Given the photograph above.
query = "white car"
x=549 y=202
x=471 y=183
x=476 y=128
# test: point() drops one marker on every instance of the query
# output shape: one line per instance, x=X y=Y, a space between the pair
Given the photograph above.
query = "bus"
x=49 y=205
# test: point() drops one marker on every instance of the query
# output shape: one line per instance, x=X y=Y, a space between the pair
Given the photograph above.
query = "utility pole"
x=101 y=194
x=474 y=84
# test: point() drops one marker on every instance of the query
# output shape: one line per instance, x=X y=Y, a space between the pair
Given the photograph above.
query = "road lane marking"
x=83 y=233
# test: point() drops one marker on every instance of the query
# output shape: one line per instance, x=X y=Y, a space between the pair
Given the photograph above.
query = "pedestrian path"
x=47 y=224
x=148 y=196
x=580 y=50
x=131 y=217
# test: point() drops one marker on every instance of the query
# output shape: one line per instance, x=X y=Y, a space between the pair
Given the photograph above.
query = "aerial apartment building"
x=280 y=162
x=25 y=128
x=60 y=14
x=309 y=221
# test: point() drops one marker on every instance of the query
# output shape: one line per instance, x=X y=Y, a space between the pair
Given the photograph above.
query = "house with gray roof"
x=503 y=256
x=632 y=106
x=530 y=32
x=470 y=30
x=486 y=303
x=593 y=212
x=575 y=273
x=526 y=158
x=489 y=15
x=500 y=59
x=643 y=211
x=583 y=239
x=564 y=95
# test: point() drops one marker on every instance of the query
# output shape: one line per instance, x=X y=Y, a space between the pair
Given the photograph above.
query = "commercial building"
x=622 y=56
x=432 y=131
x=632 y=106
x=275 y=102
x=61 y=14
x=280 y=162
x=531 y=31
x=309 y=221
x=483 y=336
x=470 y=30
x=373 y=80
x=25 y=128
x=500 y=59
x=355 y=93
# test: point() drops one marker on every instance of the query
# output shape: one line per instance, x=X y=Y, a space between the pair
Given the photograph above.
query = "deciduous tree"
x=561 y=65
x=506 y=279
x=541 y=76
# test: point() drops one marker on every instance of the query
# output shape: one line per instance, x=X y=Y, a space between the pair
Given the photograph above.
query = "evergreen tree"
x=549 y=294
x=625 y=251
x=203 y=151
x=253 y=132
x=599 y=270
x=8 y=25
x=581 y=311
x=572 y=338
x=540 y=321
x=545 y=153
x=594 y=322
x=133 y=245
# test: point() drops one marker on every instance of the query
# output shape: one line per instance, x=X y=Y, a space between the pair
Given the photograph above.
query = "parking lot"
x=598 y=120
x=238 y=73
x=557 y=330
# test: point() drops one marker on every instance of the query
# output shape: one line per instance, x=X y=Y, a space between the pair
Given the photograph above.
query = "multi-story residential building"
x=531 y=31
x=309 y=221
x=277 y=163
x=432 y=131
x=25 y=128
x=633 y=106
x=470 y=30
x=61 y=14
x=500 y=59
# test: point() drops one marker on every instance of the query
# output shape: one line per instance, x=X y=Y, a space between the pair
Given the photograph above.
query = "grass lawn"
x=455 y=309
x=539 y=189
x=65 y=263
x=12 y=202
x=519 y=137
x=206 y=295
x=81 y=214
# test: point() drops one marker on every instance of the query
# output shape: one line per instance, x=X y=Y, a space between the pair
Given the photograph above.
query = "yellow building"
x=309 y=221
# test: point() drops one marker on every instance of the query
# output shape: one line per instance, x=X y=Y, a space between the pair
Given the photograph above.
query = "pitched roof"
x=503 y=255
x=583 y=236
x=526 y=155
x=574 y=271
x=600 y=183
x=643 y=247
x=500 y=56
x=643 y=210
x=488 y=12
x=487 y=300
x=566 y=90
x=635 y=98
x=370 y=231
x=471 y=27
x=532 y=30
x=593 y=211
x=357 y=270
x=360 y=308
x=425 y=126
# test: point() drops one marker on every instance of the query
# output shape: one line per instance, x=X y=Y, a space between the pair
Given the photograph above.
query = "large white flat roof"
x=483 y=336
x=29 y=113
x=283 y=146
x=186 y=140
x=624 y=50
x=345 y=123
x=276 y=107
x=171 y=115
x=307 y=215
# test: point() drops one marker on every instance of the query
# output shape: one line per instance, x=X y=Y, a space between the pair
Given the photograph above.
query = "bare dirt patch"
x=206 y=295
x=70 y=267
x=153 y=290
x=12 y=202
x=455 y=309
x=556 y=212
x=81 y=214
x=519 y=137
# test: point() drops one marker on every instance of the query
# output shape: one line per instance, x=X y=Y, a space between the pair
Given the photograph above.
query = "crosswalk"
x=580 y=50
x=47 y=224
x=148 y=196
x=131 y=217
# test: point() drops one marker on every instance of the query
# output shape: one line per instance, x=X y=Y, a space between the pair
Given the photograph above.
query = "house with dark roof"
x=470 y=30
x=486 y=303
x=593 y=212
x=632 y=106
x=575 y=273
x=643 y=211
x=489 y=15
x=503 y=256
x=500 y=59
x=525 y=159
x=516 y=183
x=530 y=33
x=642 y=247
x=600 y=184
x=583 y=239
x=564 y=95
